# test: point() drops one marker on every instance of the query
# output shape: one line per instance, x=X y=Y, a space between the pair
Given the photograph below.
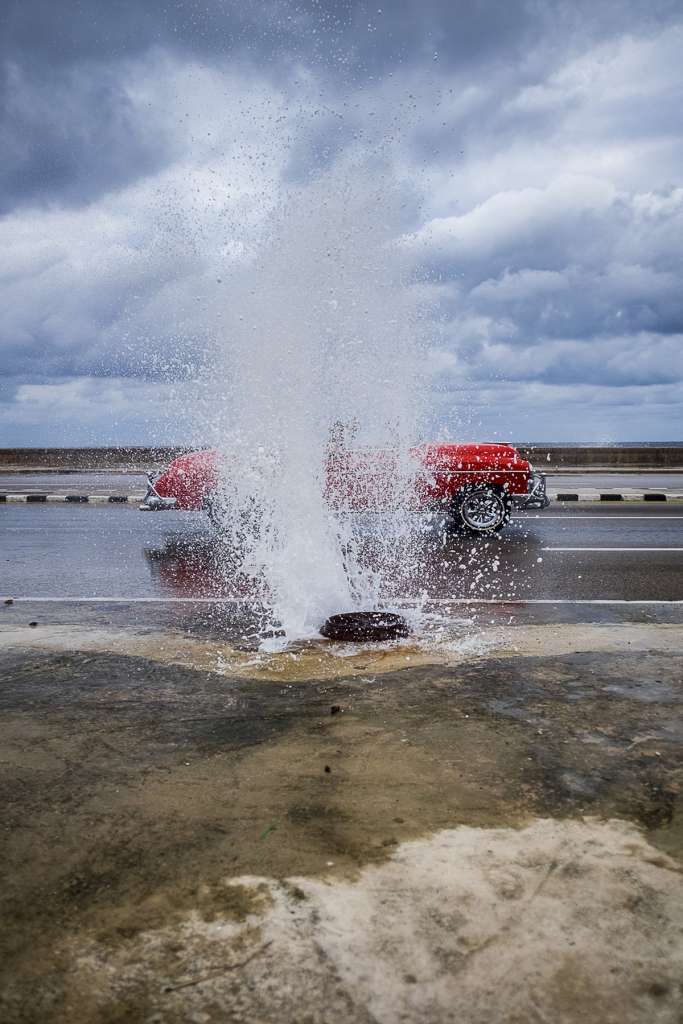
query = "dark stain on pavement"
x=131 y=790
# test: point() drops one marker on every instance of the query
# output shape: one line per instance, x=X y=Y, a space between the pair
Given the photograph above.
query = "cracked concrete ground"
x=470 y=834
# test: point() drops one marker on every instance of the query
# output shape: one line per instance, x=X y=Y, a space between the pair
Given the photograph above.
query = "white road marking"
x=612 y=549
x=531 y=600
x=621 y=518
x=403 y=601
x=134 y=600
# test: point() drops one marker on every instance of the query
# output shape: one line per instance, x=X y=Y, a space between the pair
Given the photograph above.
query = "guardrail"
x=131 y=459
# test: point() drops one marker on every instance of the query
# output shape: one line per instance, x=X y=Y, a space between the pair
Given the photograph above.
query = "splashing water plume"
x=319 y=367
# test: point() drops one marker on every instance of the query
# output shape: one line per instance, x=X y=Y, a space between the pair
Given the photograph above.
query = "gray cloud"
x=71 y=135
x=143 y=144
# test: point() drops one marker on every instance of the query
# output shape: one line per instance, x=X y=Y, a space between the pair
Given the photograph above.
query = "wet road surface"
x=590 y=552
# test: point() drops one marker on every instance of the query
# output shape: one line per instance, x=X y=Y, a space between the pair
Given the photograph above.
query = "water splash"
x=324 y=331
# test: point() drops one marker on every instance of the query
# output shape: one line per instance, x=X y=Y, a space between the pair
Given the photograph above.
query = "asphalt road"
x=551 y=561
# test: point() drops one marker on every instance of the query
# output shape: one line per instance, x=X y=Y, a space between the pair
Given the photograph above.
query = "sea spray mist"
x=321 y=351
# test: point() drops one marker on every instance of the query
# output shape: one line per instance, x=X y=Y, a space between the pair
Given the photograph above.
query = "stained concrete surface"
x=492 y=835
x=481 y=824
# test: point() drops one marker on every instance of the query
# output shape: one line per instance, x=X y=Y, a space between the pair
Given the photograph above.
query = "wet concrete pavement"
x=480 y=824
x=168 y=828
x=73 y=483
x=605 y=481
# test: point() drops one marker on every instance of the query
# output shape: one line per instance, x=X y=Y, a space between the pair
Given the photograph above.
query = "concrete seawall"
x=128 y=459
x=546 y=457
x=665 y=458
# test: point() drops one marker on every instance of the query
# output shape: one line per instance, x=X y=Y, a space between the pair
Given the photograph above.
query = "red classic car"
x=475 y=485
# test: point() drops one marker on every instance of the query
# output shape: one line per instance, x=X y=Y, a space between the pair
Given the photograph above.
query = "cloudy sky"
x=538 y=143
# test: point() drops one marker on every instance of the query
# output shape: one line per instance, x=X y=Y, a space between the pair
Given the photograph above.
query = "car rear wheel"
x=215 y=509
x=481 y=510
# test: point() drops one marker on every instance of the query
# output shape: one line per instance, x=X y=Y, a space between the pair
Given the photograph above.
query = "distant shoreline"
x=188 y=447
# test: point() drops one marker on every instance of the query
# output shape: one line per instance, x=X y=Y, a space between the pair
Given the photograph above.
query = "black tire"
x=480 y=510
x=214 y=509
x=360 y=627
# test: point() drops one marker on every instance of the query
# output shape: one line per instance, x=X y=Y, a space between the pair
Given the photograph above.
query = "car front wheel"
x=481 y=510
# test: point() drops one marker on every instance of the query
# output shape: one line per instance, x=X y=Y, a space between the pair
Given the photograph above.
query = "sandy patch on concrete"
x=166 y=825
x=557 y=922
x=322 y=660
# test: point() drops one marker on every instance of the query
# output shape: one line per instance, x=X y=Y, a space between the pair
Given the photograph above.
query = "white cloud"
x=515 y=218
x=112 y=410
x=523 y=284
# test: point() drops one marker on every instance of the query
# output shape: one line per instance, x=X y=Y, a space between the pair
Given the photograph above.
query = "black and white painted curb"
x=593 y=496
x=74 y=499
x=560 y=497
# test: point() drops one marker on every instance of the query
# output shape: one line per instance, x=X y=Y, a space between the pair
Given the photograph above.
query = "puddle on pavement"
x=196 y=563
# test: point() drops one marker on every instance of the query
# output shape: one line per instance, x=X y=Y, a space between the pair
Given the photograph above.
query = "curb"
x=605 y=496
x=132 y=499
x=73 y=499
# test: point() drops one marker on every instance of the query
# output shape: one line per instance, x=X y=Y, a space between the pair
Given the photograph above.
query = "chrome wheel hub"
x=483 y=510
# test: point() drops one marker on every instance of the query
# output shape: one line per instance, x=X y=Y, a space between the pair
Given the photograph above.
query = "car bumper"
x=153 y=502
x=535 y=496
